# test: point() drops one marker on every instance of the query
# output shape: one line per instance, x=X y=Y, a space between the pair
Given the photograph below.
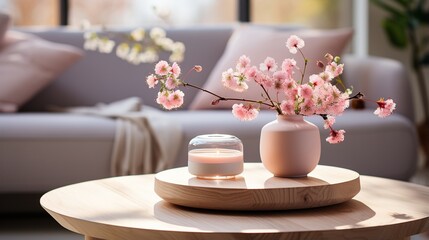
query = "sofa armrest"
x=379 y=77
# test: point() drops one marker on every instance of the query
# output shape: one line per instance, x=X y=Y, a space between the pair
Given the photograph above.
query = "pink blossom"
x=162 y=98
x=325 y=76
x=170 y=99
x=288 y=107
x=240 y=86
x=268 y=65
x=316 y=80
x=330 y=100
x=329 y=121
x=171 y=82
x=307 y=107
x=334 y=69
x=264 y=80
x=339 y=70
x=244 y=113
x=291 y=89
x=294 y=43
x=335 y=136
x=175 y=70
x=305 y=91
x=288 y=65
x=385 y=107
x=279 y=79
x=251 y=73
x=338 y=106
x=176 y=98
x=228 y=79
x=233 y=82
x=342 y=103
x=243 y=63
x=151 y=81
x=162 y=68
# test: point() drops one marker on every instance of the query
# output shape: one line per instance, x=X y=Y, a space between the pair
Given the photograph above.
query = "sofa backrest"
x=99 y=77
x=378 y=77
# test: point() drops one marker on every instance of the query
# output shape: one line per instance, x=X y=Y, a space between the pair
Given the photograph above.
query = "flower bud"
x=198 y=68
x=329 y=57
x=215 y=102
x=337 y=59
x=320 y=64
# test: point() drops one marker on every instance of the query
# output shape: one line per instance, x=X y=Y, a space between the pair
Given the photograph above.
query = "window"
x=149 y=12
x=311 y=13
x=31 y=13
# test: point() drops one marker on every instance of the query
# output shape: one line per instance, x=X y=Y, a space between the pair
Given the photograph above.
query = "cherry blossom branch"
x=358 y=95
x=305 y=65
x=220 y=98
x=279 y=111
x=316 y=97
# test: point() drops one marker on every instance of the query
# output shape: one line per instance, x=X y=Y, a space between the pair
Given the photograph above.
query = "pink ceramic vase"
x=290 y=146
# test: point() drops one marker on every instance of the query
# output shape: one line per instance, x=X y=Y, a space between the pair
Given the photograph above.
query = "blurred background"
x=364 y=16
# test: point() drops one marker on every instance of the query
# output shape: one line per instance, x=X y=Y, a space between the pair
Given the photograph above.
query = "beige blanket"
x=146 y=139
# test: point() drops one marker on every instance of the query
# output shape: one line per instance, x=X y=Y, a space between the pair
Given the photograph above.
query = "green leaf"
x=420 y=13
x=425 y=59
x=388 y=8
x=404 y=3
x=396 y=30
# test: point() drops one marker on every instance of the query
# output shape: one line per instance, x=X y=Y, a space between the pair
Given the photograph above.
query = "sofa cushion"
x=56 y=126
x=257 y=44
x=28 y=64
x=42 y=151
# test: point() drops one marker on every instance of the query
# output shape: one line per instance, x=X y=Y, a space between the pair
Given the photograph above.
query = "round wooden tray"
x=258 y=189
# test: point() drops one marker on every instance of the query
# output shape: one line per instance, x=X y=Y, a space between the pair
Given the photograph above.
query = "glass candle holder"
x=215 y=156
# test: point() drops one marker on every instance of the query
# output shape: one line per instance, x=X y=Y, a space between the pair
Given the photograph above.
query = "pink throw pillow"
x=259 y=43
x=28 y=64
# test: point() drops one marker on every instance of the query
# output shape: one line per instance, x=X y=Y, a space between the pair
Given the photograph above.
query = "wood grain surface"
x=128 y=208
x=257 y=189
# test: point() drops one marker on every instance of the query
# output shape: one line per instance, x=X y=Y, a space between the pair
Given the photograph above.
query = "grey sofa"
x=41 y=150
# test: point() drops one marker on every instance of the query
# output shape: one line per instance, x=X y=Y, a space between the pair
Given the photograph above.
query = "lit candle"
x=215 y=155
x=215 y=162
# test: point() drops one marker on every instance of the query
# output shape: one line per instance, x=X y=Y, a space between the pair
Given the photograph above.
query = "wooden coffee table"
x=128 y=208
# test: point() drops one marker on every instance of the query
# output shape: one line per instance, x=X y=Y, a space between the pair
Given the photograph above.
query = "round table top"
x=258 y=189
x=128 y=208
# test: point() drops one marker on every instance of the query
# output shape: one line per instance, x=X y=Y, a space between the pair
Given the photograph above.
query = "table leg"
x=92 y=238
